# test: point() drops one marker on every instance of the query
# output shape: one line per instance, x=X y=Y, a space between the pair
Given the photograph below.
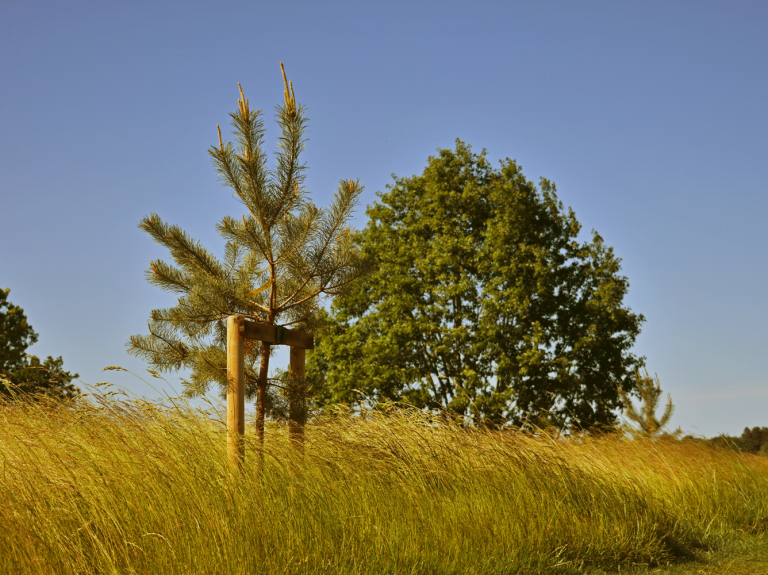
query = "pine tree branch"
x=343 y=202
x=143 y=346
x=292 y=122
x=222 y=312
x=232 y=229
x=186 y=251
x=193 y=327
x=221 y=159
x=299 y=243
x=167 y=277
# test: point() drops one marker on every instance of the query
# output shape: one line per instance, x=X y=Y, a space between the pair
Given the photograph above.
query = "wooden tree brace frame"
x=238 y=330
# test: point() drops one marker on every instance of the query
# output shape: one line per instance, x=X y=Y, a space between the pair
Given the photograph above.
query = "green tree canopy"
x=279 y=258
x=25 y=373
x=482 y=302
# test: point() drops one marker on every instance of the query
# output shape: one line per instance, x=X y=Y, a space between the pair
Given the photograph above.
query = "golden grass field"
x=119 y=487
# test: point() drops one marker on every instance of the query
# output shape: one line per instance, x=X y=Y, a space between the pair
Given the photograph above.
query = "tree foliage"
x=647 y=423
x=23 y=373
x=279 y=258
x=482 y=302
x=16 y=335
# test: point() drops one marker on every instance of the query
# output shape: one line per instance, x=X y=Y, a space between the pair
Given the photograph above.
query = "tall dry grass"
x=110 y=486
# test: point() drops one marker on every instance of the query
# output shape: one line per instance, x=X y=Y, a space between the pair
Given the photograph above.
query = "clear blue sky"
x=650 y=116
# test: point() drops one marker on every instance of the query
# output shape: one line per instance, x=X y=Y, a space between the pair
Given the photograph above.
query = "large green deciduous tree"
x=482 y=302
x=25 y=373
x=280 y=257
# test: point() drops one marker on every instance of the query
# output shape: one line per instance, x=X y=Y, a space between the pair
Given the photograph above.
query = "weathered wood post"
x=235 y=390
x=297 y=401
x=238 y=329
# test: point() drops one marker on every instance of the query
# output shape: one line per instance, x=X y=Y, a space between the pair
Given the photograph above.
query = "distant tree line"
x=753 y=440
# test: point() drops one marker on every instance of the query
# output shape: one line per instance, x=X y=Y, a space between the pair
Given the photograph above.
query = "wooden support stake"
x=235 y=390
x=297 y=402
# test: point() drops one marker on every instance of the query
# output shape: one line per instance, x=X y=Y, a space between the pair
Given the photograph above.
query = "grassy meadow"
x=111 y=487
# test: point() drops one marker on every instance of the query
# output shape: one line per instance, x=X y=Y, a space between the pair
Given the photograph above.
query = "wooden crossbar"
x=277 y=335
